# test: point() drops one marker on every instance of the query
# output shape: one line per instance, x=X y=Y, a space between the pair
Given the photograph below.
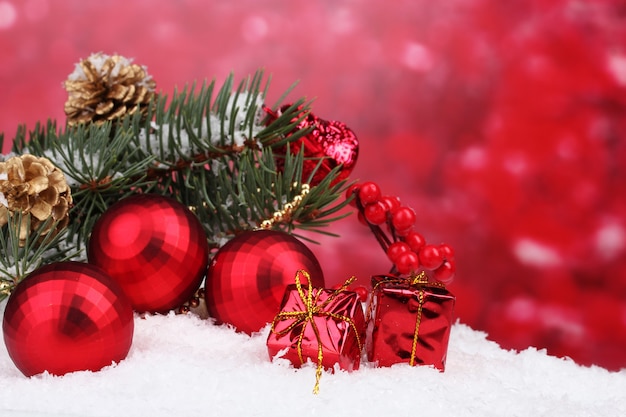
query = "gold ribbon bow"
x=420 y=279
x=313 y=308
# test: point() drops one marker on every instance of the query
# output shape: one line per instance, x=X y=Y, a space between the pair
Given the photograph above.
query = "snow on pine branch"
x=214 y=132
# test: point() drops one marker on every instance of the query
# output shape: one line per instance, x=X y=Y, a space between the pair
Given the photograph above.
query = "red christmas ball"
x=154 y=247
x=331 y=140
x=67 y=317
x=247 y=277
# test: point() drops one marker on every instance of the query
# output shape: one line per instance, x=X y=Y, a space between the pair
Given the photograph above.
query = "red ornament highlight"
x=247 y=277
x=154 y=247
x=331 y=140
x=67 y=317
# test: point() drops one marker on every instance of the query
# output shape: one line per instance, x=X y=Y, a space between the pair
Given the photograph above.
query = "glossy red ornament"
x=247 y=277
x=327 y=139
x=67 y=317
x=408 y=322
x=154 y=247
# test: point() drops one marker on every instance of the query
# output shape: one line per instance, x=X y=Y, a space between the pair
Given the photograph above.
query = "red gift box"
x=409 y=321
x=326 y=326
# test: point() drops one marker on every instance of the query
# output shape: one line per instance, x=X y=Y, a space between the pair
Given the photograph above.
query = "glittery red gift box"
x=340 y=324
x=408 y=322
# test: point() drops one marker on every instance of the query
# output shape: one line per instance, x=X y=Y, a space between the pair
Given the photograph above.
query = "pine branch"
x=211 y=149
x=18 y=258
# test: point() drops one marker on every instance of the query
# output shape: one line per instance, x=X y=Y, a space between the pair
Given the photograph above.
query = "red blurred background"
x=503 y=123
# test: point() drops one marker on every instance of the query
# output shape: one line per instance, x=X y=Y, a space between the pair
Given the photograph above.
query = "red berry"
x=431 y=257
x=403 y=218
x=404 y=232
x=391 y=202
x=369 y=192
x=362 y=219
x=396 y=249
x=375 y=213
x=415 y=241
x=351 y=193
x=362 y=292
x=447 y=251
x=407 y=262
x=445 y=273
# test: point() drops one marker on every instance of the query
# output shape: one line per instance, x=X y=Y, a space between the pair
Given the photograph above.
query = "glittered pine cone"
x=36 y=188
x=104 y=87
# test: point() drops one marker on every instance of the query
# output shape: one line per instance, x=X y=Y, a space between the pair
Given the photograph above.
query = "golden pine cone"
x=104 y=87
x=36 y=188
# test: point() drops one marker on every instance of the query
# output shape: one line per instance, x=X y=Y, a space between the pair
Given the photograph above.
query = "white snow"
x=185 y=366
x=60 y=163
x=242 y=102
x=212 y=132
x=98 y=60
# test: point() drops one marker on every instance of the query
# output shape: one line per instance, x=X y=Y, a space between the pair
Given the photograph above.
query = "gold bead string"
x=196 y=304
x=284 y=214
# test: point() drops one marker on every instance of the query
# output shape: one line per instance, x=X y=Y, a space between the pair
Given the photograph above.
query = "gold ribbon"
x=420 y=279
x=313 y=308
x=418 y=320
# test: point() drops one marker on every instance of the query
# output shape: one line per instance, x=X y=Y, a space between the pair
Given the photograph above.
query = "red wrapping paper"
x=338 y=317
x=408 y=322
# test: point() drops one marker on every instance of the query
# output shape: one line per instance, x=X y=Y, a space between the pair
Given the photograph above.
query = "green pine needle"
x=208 y=146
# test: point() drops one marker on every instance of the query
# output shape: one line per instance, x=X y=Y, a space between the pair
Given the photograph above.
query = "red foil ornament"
x=327 y=139
x=67 y=317
x=409 y=321
x=326 y=326
x=154 y=247
x=247 y=277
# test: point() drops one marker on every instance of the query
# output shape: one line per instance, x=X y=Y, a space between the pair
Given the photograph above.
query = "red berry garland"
x=406 y=248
